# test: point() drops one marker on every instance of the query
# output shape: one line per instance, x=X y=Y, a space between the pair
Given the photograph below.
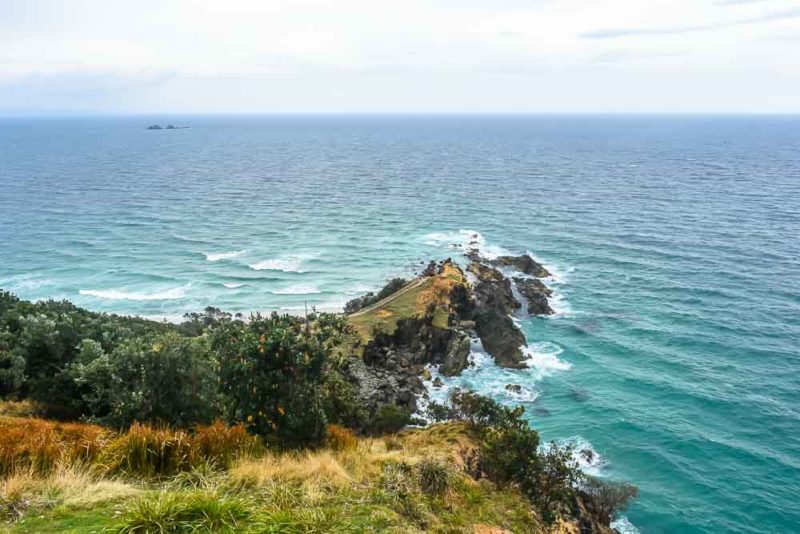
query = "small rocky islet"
x=434 y=319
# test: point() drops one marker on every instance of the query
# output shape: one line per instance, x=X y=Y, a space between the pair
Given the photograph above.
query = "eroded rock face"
x=457 y=357
x=524 y=264
x=535 y=293
x=494 y=302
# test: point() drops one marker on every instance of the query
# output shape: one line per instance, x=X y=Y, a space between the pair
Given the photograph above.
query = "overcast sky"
x=509 y=56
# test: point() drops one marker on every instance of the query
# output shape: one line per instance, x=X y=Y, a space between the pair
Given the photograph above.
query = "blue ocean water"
x=675 y=243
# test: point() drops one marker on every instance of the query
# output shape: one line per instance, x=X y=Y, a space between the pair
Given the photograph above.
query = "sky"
x=406 y=56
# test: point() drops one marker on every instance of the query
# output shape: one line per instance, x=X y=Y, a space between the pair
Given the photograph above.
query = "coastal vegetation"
x=275 y=423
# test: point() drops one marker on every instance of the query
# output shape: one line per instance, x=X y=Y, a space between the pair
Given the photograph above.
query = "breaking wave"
x=118 y=294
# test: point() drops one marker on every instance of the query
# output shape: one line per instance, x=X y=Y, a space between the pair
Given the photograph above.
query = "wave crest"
x=223 y=255
x=118 y=294
x=298 y=289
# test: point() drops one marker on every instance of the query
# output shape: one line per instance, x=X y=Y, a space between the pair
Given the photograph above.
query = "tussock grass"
x=413 y=482
x=38 y=445
x=196 y=511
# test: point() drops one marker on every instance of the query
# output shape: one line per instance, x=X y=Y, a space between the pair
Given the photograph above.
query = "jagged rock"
x=492 y=289
x=494 y=301
x=524 y=264
x=535 y=293
x=514 y=388
x=426 y=375
x=154 y=127
x=457 y=357
x=437 y=382
x=587 y=454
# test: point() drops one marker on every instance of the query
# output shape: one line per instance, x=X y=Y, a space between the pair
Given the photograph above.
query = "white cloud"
x=318 y=55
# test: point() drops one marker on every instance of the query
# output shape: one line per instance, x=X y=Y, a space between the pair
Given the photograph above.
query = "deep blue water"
x=675 y=243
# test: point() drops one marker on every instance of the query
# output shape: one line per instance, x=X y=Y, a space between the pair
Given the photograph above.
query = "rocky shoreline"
x=479 y=306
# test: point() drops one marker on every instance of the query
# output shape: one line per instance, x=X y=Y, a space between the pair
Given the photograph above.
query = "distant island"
x=168 y=127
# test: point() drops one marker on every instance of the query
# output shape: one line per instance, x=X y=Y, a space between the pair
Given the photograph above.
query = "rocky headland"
x=435 y=319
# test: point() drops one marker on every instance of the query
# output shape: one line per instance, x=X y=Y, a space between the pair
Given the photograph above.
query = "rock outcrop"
x=523 y=263
x=535 y=293
x=431 y=320
x=494 y=304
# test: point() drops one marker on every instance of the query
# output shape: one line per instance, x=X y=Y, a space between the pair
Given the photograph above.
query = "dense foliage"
x=510 y=452
x=275 y=374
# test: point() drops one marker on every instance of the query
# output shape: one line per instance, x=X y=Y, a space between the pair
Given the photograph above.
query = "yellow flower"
x=249 y=418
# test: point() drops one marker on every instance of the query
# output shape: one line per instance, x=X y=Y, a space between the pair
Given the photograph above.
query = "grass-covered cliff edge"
x=283 y=424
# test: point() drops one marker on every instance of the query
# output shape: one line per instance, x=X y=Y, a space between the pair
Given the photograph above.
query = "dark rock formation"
x=457 y=357
x=494 y=302
x=154 y=127
x=524 y=264
x=535 y=293
x=514 y=388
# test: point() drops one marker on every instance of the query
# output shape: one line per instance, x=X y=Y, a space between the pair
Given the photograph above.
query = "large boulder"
x=457 y=357
x=524 y=264
x=535 y=293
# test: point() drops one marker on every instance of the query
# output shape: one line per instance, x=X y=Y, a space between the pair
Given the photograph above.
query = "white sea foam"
x=287 y=264
x=119 y=294
x=233 y=285
x=223 y=255
x=624 y=526
x=297 y=289
x=587 y=458
x=542 y=359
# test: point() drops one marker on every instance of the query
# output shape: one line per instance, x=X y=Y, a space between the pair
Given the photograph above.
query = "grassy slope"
x=371 y=485
x=411 y=301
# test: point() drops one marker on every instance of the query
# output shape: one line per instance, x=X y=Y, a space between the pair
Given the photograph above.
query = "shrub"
x=509 y=452
x=392 y=286
x=39 y=446
x=271 y=371
x=340 y=438
x=605 y=498
x=434 y=477
x=165 y=379
x=389 y=419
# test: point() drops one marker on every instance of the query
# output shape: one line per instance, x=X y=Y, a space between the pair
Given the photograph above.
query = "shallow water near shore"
x=675 y=354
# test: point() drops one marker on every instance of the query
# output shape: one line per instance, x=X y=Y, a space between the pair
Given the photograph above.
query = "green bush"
x=163 y=379
x=392 y=286
x=272 y=373
x=389 y=419
x=510 y=454
x=434 y=477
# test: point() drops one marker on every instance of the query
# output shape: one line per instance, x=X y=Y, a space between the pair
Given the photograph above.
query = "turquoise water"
x=675 y=354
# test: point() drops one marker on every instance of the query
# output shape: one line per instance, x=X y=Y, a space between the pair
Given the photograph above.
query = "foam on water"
x=233 y=285
x=286 y=264
x=121 y=294
x=624 y=526
x=223 y=255
x=297 y=289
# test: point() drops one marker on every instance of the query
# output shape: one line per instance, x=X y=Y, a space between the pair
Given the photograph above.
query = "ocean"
x=674 y=243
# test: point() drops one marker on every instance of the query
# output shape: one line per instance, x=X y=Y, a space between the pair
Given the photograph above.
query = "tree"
x=161 y=379
x=606 y=498
x=272 y=373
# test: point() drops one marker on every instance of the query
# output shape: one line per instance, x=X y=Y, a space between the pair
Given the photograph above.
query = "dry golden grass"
x=37 y=445
x=23 y=408
x=321 y=467
x=340 y=438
